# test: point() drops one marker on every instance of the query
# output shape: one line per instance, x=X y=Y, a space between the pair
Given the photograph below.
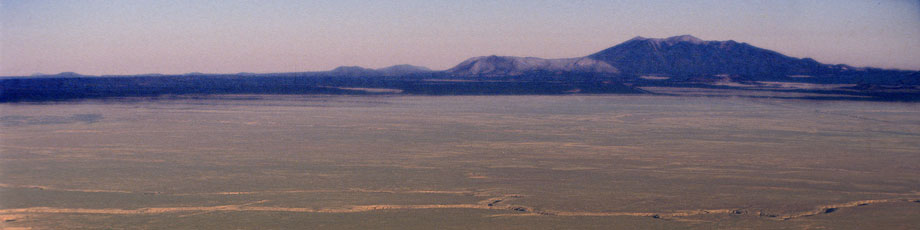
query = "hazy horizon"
x=174 y=37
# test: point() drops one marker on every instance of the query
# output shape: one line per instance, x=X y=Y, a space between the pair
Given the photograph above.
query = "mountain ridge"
x=672 y=56
x=682 y=58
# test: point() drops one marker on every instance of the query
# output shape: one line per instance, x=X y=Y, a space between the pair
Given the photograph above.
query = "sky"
x=227 y=36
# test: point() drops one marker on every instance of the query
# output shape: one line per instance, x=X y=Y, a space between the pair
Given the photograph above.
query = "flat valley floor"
x=459 y=162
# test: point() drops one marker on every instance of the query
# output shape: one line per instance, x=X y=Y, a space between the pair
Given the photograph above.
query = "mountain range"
x=629 y=67
x=678 y=58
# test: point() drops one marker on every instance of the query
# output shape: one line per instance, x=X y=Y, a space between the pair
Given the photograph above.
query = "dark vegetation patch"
x=494 y=202
x=519 y=209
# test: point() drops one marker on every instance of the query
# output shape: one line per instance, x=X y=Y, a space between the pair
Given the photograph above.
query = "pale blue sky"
x=168 y=36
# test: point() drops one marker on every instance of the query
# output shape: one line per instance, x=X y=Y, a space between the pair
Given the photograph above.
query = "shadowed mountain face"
x=686 y=55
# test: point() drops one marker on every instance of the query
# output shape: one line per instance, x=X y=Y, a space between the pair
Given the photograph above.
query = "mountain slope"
x=512 y=66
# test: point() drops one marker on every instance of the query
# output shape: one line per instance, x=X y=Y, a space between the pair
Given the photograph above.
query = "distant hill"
x=353 y=71
x=396 y=70
x=59 y=75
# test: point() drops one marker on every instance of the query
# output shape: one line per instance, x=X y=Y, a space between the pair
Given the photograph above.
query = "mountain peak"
x=685 y=38
x=670 y=40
